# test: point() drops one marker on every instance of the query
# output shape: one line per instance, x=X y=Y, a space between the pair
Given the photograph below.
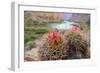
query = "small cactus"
x=55 y=44
x=78 y=47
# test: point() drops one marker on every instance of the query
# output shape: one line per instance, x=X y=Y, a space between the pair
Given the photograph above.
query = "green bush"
x=84 y=27
x=35 y=22
x=29 y=38
x=31 y=44
x=41 y=31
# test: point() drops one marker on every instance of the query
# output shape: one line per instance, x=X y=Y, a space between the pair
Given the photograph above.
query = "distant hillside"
x=77 y=17
x=43 y=16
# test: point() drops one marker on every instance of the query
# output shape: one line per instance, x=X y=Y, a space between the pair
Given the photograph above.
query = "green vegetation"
x=33 y=33
x=84 y=27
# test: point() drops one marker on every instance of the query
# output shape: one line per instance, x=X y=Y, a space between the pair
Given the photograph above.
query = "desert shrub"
x=35 y=22
x=29 y=38
x=41 y=31
x=84 y=27
x=43 y=22
x=29 y=45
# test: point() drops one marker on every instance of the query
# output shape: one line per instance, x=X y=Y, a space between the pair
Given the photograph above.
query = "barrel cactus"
x=55 y=44
x=78 y=47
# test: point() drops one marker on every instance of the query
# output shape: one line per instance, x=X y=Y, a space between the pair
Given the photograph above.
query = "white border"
x=18 y=37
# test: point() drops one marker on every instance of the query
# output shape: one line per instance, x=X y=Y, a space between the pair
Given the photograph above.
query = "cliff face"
x=47 y=16
x=77 y=17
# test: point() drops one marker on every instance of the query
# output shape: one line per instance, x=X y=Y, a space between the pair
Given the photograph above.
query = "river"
x=63 y=25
